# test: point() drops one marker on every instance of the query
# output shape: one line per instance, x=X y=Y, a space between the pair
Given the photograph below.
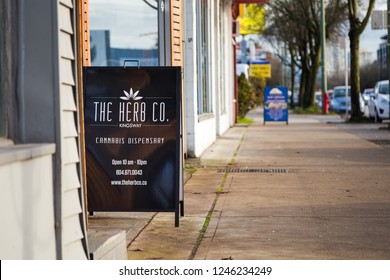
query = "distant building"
x=382 y=59
x=336 y=55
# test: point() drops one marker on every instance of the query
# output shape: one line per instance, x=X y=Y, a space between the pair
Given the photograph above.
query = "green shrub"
x=258 y=85
x=246 y=96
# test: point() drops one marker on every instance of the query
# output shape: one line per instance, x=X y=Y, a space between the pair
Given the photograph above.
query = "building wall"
x=227 y=65
x=203 y=129
x=72 y=208
x=382 y=60
x=42 y=199
x=176 y=32
x=335 y=56
x=190 y=76
x=223 y=65
x=27 y=208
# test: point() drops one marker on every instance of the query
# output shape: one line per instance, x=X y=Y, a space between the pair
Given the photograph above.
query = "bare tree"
x=151 y=5
x=297 y=23
x=357 y=27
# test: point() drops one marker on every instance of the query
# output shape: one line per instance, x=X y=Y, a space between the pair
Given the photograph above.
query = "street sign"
x=262 y=70
x=275 y=104
x=251 y=1
x=251 y=18
x=379 y=19
x=132 y=137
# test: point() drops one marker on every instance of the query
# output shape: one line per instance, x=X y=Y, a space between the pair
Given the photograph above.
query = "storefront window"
x=204 y=100
x=222 y=54
x=8 y=53
x=124 y=30
x=2 y=66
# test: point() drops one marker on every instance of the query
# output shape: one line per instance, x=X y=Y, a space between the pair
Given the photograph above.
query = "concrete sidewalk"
x=307 y=190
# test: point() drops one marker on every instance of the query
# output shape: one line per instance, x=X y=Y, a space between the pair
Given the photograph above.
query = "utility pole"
x=323 y=51
x=388 y=47
x=346 y=77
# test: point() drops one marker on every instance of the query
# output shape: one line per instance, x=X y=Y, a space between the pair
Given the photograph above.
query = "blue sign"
x=275 y=104
x=259 y=62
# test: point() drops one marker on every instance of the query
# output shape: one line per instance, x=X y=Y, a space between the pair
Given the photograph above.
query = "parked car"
x=362 y=104
x=367 y=93
x=330 y=93
x=378 y=105
x=340 y=103
x=318 y=97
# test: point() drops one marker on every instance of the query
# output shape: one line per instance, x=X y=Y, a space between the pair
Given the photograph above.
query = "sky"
x=370 y=39
x=132 y=24
x=107 y=13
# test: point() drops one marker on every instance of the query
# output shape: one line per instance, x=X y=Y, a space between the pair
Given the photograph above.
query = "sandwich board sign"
x=275 y=104
x=132 y=137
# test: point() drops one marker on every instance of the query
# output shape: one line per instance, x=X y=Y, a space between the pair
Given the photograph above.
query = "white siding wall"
x=27 y=208
x=40 y=188
x=73 y=229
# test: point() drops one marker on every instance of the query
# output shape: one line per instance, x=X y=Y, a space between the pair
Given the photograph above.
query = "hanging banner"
x=132 y=138
x=275 y=104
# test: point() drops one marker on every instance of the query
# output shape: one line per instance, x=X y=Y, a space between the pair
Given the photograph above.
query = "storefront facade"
x=195 y=35
x=208 y=72
x=42 y=201
x=44 y=44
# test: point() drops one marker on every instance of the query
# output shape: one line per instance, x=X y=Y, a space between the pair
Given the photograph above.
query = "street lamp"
x=388 y=47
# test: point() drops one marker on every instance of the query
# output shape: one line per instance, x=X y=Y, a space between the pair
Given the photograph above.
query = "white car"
x=318 y=99
x=378 y=105
x=367 y=94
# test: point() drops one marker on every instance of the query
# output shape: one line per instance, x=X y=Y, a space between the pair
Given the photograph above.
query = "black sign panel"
x=132 y=134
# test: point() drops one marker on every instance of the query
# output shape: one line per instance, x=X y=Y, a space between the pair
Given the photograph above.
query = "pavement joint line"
x=140 y=231
x=217 y=194
x=223 y=204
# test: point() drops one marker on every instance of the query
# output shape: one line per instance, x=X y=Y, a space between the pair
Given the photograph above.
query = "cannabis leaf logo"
x=130 y=95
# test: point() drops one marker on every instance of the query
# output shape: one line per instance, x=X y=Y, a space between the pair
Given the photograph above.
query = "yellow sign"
x=251 y=18
x=260 y=70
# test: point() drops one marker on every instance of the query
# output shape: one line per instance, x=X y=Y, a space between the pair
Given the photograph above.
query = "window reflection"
x=204 y=99
x=123 y=29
